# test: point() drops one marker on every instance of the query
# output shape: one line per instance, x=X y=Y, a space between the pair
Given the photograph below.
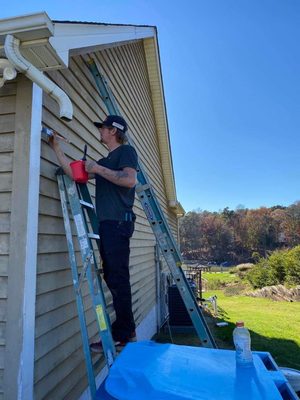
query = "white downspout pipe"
x=13 y=54
x=9 y=71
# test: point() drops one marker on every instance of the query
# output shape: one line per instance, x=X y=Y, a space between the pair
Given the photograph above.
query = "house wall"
x=19 y=166
x=7 y=128
x=59 y=364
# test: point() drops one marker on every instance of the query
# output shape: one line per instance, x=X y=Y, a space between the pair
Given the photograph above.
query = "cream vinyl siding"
x=7 y=127
x=59 y=363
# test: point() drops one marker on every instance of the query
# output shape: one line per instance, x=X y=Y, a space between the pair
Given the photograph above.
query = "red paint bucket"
x=78 y=171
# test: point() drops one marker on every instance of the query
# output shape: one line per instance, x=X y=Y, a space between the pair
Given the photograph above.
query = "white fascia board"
x=27 y=27
x=68 y=36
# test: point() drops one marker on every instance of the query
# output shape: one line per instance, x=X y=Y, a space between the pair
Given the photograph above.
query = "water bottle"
x=242 y=342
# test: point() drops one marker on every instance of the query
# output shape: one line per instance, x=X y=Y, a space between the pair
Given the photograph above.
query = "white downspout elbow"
x=14 y=56
x=9 y=71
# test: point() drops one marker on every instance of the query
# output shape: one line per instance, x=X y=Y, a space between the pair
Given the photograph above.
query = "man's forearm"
x=121 y=178
x=63 y=161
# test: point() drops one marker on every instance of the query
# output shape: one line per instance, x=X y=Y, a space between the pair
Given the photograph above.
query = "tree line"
x=282 y=267
x=238 y=236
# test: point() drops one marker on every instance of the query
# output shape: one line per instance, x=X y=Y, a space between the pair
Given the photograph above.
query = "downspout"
x=13 y=54
x=8 y=73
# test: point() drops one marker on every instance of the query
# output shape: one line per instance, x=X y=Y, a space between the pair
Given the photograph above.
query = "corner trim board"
x=26 y=366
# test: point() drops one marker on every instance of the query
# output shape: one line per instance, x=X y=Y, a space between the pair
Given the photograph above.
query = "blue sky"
x=231 y=72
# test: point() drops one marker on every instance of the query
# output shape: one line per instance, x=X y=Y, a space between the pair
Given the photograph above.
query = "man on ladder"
x=115 y=177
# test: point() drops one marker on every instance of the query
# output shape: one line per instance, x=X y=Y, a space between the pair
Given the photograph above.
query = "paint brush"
x=49 y=132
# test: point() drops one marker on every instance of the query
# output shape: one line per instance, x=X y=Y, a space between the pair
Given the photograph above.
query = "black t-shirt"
x=115 y=202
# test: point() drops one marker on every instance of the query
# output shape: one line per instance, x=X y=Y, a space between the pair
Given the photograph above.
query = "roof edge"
x=70 y=36
x=161 y=121
x=55 y=21
x=22 y=26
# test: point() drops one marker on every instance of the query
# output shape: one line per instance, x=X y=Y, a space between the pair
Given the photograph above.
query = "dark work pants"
x=114 y=249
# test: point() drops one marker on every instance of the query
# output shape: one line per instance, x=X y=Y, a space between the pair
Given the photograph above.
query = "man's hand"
x=63 y=160
x=91 y=167
x=54 y=141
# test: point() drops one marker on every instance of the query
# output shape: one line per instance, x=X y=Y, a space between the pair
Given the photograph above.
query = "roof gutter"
x=13 y=54
x=177 y=208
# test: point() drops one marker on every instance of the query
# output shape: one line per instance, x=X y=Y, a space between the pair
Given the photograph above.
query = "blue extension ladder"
x=158 y=222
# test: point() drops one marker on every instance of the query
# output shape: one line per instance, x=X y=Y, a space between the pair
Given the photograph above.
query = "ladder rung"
x=142 y=188
x=86 y=204
x=93 y=236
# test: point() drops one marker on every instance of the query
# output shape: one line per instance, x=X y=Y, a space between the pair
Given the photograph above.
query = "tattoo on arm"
x=125 y=177
x=121 y=174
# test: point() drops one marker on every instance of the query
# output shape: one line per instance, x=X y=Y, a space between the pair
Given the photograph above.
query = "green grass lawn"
x=274 y=325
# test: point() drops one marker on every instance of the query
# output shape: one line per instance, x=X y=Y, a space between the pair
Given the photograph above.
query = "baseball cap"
x=113 y=120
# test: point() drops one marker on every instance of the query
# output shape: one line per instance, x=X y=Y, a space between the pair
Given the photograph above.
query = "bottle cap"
x=239 y=323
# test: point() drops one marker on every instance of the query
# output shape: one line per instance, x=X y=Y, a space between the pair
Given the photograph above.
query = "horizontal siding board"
x=145 y=271
x=6 y=162
x=52 y=243
x=47 y=322
x=4 y=223
x=3 y=287
x=51 y=300
x=143 y=312
x=6 y=142
x=3 y=264
x=54 y=388
x=5 y=181
x=2 y=351
x=7 y=104
x=50 y=263
x=51 y=225
x=9 y=89
x=4 y=243
x=44 y=365
x=7 y=123
x=50 y=206
x=49 y=188
x=45 y=388
x=48 y=169
x=1 y=384
x=61 y=334
x=2 y=333
x=52 y=339
x=78 y=386
x=148 y=299
x=53 y=281
x=3 y=308
x=139 y=251
x=145 y=306
x=144 y=258
x=145 y=283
